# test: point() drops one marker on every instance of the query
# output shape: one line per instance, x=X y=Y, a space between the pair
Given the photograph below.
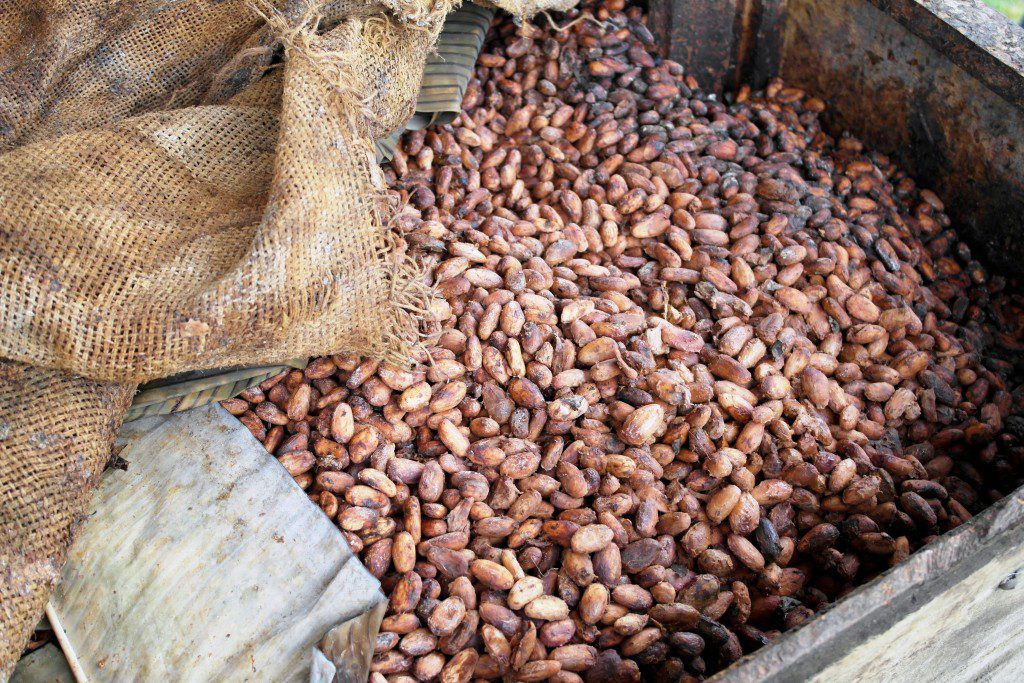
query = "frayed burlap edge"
x=410 y=293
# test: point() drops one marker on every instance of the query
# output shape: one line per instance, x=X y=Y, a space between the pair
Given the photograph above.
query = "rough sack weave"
x=173 y=197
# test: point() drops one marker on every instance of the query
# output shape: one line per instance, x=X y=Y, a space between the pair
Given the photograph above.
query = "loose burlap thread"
x=184 y=185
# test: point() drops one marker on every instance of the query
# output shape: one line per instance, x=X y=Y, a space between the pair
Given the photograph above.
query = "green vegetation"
x=1011 y=8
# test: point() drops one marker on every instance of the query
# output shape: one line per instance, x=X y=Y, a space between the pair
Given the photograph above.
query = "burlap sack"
x=55 y=436
x=184 y=185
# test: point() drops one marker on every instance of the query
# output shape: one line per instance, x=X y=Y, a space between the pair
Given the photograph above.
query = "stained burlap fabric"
x=184 y=184
x=56 y=432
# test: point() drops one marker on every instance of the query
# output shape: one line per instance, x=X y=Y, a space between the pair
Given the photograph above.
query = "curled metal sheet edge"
x=221 y=569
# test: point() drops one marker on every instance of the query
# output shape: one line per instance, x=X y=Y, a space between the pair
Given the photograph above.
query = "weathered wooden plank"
x=659 y=20
x=767 y=44
x=940 y=85
x=725 y=43
x=905 y=96
x=722 y=43
x=951 y=612
x=969 y=632
x=703 y=36
x=972 y=35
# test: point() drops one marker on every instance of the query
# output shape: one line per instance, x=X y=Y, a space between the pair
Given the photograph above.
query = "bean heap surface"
x=700 y=370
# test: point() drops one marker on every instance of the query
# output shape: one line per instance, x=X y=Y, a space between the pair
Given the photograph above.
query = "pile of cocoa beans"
x=697 y=370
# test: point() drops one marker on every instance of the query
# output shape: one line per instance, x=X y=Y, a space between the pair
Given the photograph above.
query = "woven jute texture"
x=184 y=185
x=45 y=466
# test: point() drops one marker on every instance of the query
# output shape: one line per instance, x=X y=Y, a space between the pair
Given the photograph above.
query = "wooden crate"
x=939 y=85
